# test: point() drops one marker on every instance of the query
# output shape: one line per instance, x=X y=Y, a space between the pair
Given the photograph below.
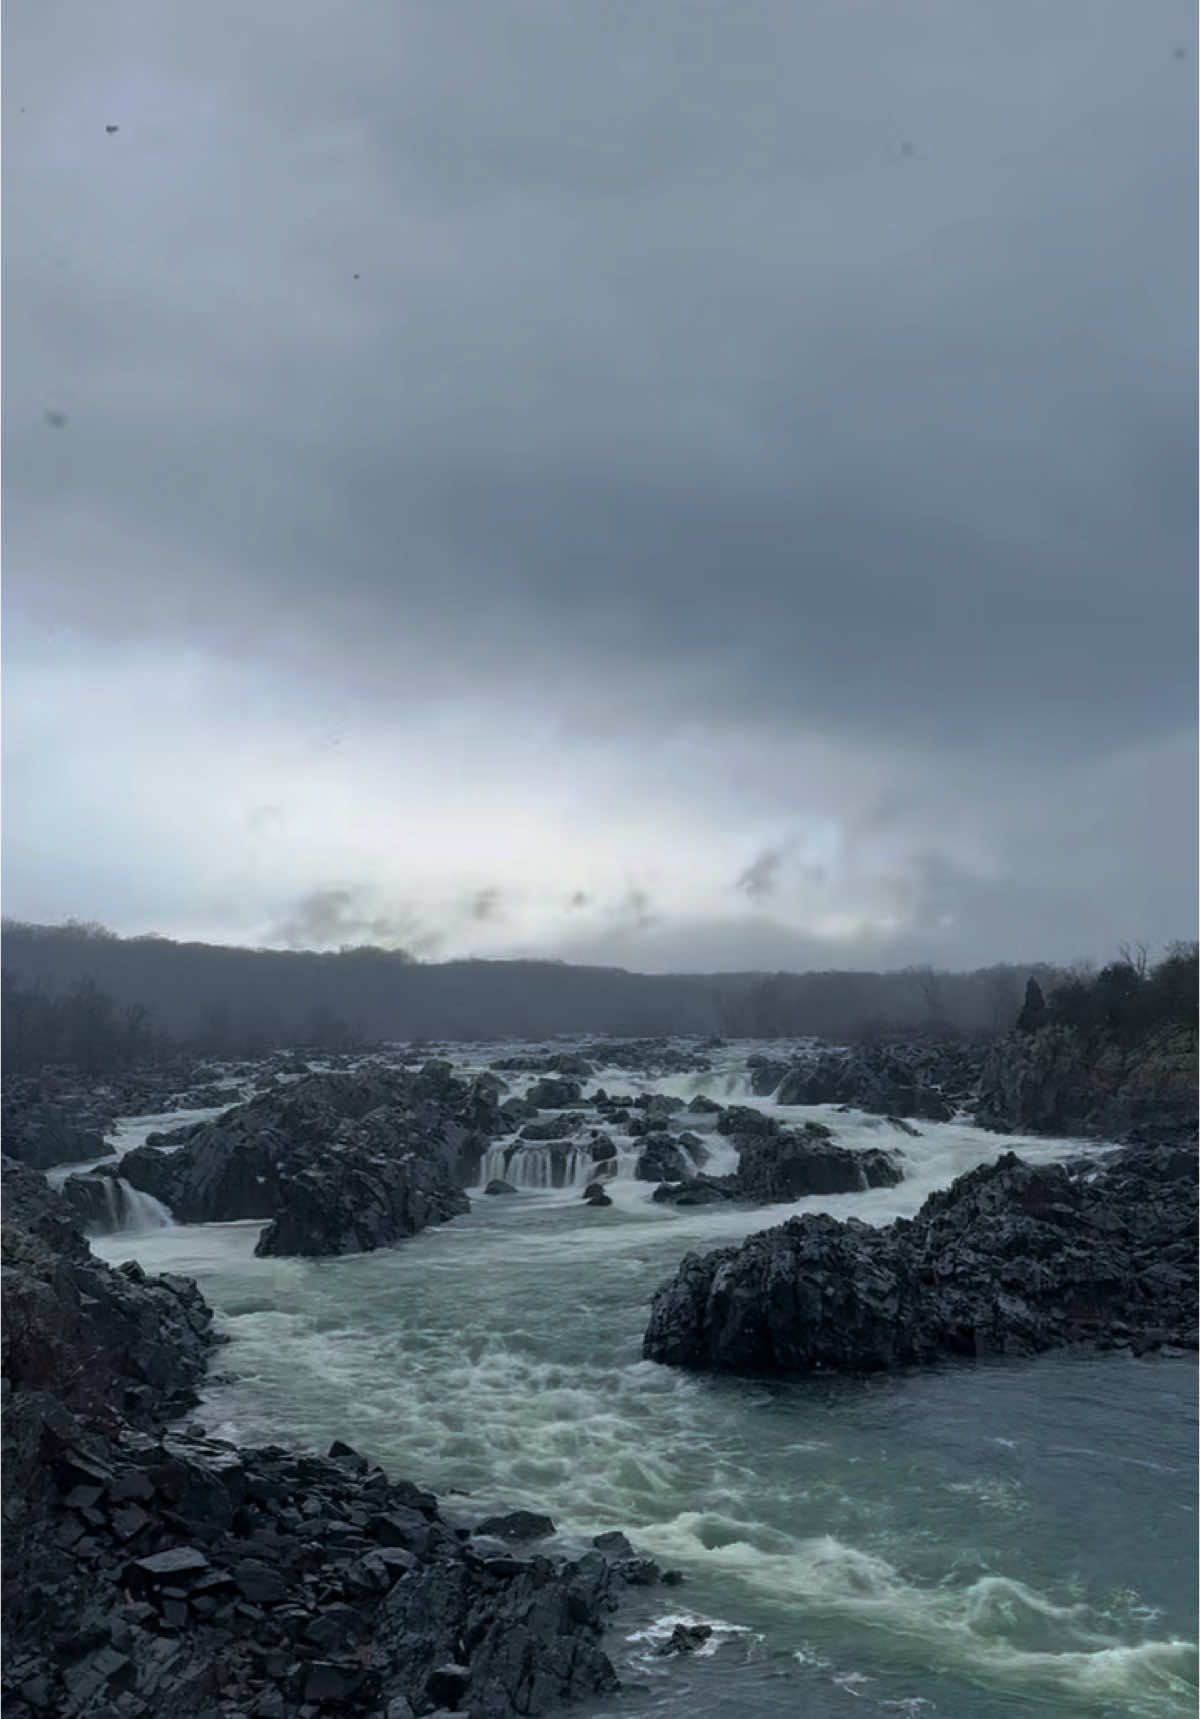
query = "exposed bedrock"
x=1012 y=1259
x=339 y=1162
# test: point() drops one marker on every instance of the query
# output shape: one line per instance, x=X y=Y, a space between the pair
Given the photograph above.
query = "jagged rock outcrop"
x=661 y=1160
x=373 y=1155
x=79 y=1343
x=1061 y=1081
x=42 y=1135
x=916 y=1079
x=559 y=1062
x=1012 y=1259
x=346 y=1197
x=788 y=1166
x=554 y=1094
x=779 y=1165
x=553 y=1127
x=82 y=1332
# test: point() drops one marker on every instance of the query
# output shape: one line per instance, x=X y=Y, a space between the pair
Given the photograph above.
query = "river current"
x=975 y=1540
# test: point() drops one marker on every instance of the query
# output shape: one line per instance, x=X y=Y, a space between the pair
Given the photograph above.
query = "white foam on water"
x=996 y=1628
x=500 y=1354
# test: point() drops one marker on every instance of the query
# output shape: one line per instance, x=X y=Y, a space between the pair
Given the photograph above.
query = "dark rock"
x=259 y=1583
x=743 y=1120
x=179 y=1566
x=661 y=1160
x=332 y=1681
x=348 y=1456
x=694 y=1191
x=553 y=1128
x=613 y=1544
x=1012 y=1259
x=1061 y=1081
x=765 y=1074
x=782 y=1167
x=686 y=1638
x=496 y=1186
x=785 y=1167
x=348 y=1199
x=246 y=1164
x=554 y=1094
x=595 y=1195
x=920 y=1078
x=42 y=1135
x=448 y=1684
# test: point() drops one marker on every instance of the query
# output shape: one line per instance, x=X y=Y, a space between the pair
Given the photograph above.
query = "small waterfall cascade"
x=109 y=1205
x=530 y=1164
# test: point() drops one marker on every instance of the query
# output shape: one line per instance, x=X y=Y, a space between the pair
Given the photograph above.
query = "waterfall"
x=114 y=1207
x=527 y=1164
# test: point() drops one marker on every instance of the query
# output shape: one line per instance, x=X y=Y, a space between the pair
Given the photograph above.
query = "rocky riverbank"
x=1012 y=1259
x=148 y=1572
x=1062 y=1081
x=925 y=1079
x=338 y=1163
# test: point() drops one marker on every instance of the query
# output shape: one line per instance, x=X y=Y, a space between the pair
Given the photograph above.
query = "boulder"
x=661 y=1160
x=554 y=1094
x=743 y=1119
x=1012 y=1259
x=42 y=1135
x=347 y=1199
x=765 y=1074
x=789 y=1166
x=496 y=1186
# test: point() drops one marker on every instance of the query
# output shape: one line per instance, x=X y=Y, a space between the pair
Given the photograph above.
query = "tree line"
x=1127 y=1000
x=80 y=995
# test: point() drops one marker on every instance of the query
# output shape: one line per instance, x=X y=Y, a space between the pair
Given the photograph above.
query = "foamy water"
x=975 y=1540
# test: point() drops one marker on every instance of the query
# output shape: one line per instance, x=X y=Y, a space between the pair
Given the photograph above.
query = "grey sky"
x=530 y=452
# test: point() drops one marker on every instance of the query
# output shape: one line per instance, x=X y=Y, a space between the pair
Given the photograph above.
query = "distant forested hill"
x=220 y=998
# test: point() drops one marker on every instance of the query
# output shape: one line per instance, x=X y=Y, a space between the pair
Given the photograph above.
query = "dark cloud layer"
x=821 y=371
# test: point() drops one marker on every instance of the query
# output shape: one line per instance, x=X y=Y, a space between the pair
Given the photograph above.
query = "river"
x=974 y=1540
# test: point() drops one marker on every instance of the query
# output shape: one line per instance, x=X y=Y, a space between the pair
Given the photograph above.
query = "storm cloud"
x=629 y=483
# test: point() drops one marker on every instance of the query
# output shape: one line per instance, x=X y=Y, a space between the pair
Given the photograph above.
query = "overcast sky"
x=686 y=485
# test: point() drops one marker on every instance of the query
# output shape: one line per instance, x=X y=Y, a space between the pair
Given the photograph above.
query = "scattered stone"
x=686 y=1638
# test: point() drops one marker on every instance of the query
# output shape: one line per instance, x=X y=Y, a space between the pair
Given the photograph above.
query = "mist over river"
x=972 y=1540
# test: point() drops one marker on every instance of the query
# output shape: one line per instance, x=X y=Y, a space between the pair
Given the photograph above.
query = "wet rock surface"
x=778 y=1165
x=929 y=1080
x=1012 y=1259
x=42 y=1134
x=339 y=1162
x=149 y=1571
x=1058 y=1082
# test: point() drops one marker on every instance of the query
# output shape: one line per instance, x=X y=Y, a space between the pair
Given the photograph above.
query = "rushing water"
x=973 y=1540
